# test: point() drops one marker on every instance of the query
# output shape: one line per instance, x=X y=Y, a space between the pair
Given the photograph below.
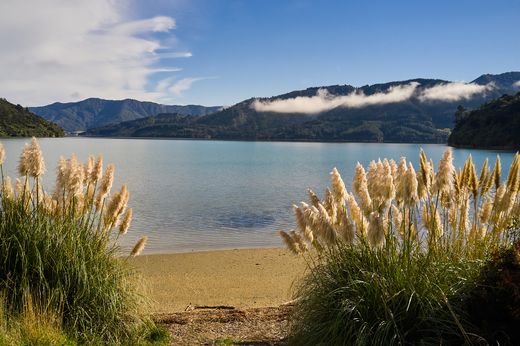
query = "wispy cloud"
x=184 y=84
x=323 y=101
x=454 y=91
x=65 y=50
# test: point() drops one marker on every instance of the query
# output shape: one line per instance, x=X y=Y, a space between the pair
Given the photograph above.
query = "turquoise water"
x=199 y=195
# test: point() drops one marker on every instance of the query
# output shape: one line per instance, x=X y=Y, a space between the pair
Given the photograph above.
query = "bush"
x=60 y=250
x=393 y=262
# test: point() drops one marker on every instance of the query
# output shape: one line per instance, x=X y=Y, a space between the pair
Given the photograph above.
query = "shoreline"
x=242 y=278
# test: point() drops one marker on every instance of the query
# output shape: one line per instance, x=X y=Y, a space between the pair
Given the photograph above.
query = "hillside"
x=418 y=110
x=94 y=112
x=16 y=121
x=493 y=125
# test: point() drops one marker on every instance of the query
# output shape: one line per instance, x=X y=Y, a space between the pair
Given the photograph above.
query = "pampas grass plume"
x=125 y=224
x=289 y=242
x=139 y=247
x=338 y=186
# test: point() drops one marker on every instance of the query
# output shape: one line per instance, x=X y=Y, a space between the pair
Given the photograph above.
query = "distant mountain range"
x=95 y=112
x=17 y=121
x=417 y=110
x=493 y=125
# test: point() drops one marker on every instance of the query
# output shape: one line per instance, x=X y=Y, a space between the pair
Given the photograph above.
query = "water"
x=200 y=195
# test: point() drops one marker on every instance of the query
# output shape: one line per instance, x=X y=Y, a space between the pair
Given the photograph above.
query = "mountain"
x=495 y=124
x=95 y=112
x=16 y=121
x=416 y=110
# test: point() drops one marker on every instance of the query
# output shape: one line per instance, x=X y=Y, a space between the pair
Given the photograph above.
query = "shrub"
x=60 y=250
x=390 y=261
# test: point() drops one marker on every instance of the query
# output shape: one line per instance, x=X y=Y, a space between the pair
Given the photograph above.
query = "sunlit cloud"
x=454 y=91
x=323 y=101
x=68 y=50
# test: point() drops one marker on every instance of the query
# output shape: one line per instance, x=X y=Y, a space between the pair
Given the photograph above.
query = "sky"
x=220 y=52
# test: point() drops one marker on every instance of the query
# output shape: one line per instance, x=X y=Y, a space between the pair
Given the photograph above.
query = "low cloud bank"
x=323 y=101
x=454 y=91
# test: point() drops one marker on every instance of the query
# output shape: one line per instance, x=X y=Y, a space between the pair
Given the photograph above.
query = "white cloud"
x=517 y=84
x=323 y=101
x=454 y=91
x=67 y=50
x=183 y=84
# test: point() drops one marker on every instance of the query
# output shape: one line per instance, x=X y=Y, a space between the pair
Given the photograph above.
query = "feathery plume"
x=376 y=234
x=346 y=228
x=298 y=240
x=361 y=189
x=397 y=218
x=106 y=184
x=97 y=172
x=289 y=242
x=313 y=198
x=7 y=189
x=399 y=179
x=327 y=232
x=496 y=172
x=485 y=211
x=330 y=205
x=512 y=178
x=444 y=177
x=357 y=215
x=88 y=169
x=75 y=176
x=139 y=247
x=125 y=224
x=31 y=160
x=338 y=187
x=424 y=174
x=300 y=218
x=473 y=179
x=116 y=206
x=411 y=186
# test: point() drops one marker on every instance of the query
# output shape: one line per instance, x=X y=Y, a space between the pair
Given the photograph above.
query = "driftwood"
x=209 y=307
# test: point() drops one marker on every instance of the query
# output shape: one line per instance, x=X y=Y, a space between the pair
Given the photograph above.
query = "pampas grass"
x=60 y=250
x=386 y=258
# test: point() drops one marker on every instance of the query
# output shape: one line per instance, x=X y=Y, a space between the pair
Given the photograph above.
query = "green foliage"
x=493 y=125
x=492 y=305
x=358 y=296
x=15 y=121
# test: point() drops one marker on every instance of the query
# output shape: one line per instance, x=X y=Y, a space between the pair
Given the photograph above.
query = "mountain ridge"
x=94 y=112
x=411 y=119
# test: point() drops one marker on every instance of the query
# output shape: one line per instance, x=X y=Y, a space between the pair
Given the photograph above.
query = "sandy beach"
x=243 y=278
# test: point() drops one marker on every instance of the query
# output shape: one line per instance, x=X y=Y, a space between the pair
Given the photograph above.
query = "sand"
x=244 y=278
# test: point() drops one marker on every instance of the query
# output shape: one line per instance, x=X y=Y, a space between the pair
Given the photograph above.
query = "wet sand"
x=243 y=278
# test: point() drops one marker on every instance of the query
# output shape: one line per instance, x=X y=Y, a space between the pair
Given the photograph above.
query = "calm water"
x=200 y=195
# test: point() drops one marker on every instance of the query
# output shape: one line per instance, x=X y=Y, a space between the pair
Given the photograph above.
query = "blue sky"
x=220 y=52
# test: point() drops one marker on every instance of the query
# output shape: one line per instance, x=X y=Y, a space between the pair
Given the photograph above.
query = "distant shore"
x=243 y=278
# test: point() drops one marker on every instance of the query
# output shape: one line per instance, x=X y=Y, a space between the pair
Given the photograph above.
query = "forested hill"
x=95 y=112
x=493 y=125
x=16 y=121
